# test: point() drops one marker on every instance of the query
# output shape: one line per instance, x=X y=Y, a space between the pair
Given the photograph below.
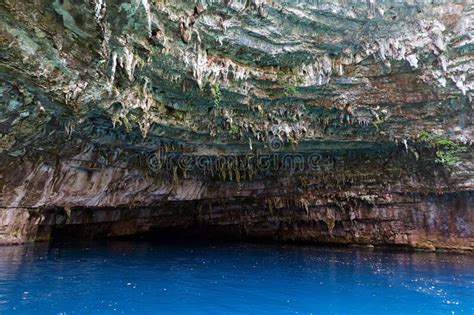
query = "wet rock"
x=293 y=121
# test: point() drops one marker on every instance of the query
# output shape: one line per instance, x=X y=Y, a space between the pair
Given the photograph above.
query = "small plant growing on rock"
x=289 y=84
x=289 y=88
x=216 y=93
x=446 y=151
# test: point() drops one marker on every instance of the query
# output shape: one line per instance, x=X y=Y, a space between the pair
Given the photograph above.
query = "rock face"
x=289 y=120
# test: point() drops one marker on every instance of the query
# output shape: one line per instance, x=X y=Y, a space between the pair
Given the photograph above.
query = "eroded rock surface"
x=291 y=120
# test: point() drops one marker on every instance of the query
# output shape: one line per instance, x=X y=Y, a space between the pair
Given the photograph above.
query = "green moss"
x=446 y=151
x=377 y=123
x=424 y=135
x=123 y=121
x=234 y=129
x=289 y=84
x=216 y=93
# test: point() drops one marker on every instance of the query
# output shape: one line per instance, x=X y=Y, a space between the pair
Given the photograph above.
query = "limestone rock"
x=252 y=118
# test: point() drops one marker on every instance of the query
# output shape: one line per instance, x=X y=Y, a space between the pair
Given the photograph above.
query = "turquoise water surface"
x=127 y=277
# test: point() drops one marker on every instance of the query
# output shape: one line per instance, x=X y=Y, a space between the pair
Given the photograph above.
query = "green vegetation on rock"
x=216 y=93
x=446 y=151
x=289 y=84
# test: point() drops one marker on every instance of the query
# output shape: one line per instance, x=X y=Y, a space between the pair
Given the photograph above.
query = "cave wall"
x=352 y=199
x=313 y=121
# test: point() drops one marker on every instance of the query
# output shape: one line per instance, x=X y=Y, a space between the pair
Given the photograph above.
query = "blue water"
x=146 y=278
